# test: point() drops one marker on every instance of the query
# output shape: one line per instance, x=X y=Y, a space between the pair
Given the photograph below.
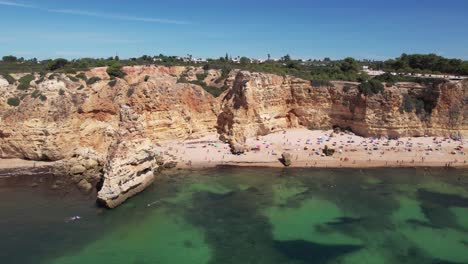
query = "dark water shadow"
x=436 y=207
x=310 y=252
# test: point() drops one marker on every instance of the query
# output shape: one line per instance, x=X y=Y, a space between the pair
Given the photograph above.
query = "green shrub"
x=61 y=92
x=112 y=83
x=224 y=74
x=407 y=104
x=147 y=78
x=27 y=78
x=346 y=88
x=9 y=78
x=57 y=64
x=93 y=80
x=371 y=87
x=81 y=87
x=53 y=76
x=202 y=76
x=43 y=97
x=25 y=82
x=40 y=80
x=419 y=105
x=35 y=94
x=182 y=80
x=73 y=79
x=216 y=92
x=82 y=76
x=23 y=87
x=115 y=70
x=321 y=83
x=9 y=58
x=13 y=101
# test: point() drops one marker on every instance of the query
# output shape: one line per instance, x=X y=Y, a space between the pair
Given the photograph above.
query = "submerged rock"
x=85 y=186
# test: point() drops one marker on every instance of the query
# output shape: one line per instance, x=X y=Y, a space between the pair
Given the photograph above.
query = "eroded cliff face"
x=261 y=103
x=102 y=132
x=75 y=115
x=105 y=132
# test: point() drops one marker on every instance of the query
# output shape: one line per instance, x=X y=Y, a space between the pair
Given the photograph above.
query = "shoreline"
x=278 y=164
x=323 y=165
x=306 y=150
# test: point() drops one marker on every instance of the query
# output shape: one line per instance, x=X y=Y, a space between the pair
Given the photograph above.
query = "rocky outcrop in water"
x=131 y=161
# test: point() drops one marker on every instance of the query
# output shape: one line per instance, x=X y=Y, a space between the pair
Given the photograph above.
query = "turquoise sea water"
x=246 y=215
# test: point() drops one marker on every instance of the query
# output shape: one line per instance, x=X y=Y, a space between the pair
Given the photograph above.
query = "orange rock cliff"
x=105 y=132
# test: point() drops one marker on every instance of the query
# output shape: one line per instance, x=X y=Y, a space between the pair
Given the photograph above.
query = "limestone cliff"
x=260 y=103
x=105 y=130
x=75 y=115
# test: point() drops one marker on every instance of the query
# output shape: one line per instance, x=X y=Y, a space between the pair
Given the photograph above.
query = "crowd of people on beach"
x=307 y=149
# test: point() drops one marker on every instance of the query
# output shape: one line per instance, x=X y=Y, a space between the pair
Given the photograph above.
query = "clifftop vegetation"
x=419 y=63
x=348 y=69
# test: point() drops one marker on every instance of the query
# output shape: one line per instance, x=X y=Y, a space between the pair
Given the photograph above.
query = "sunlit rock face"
x=120 y=123
x=260 y=103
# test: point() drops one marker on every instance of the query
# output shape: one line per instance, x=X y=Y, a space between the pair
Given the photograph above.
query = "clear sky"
x=370 y=29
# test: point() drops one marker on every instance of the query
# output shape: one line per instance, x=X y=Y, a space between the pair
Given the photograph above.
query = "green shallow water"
x=246 y=215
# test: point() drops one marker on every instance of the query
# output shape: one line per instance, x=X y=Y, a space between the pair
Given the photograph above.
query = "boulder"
x=170 y=165
x=85 y=186
x=90 y=164
x=286 y=159
x=328 y=151
x=237 y=148
x=77 y=169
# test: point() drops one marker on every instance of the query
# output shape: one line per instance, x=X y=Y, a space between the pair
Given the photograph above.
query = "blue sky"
x=210 y=28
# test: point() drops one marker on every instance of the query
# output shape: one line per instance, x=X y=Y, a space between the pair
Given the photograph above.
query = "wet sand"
x=306 y=147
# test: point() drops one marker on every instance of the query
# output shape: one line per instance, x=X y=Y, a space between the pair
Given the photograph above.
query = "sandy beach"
x=306 y=147
x=20 y=163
